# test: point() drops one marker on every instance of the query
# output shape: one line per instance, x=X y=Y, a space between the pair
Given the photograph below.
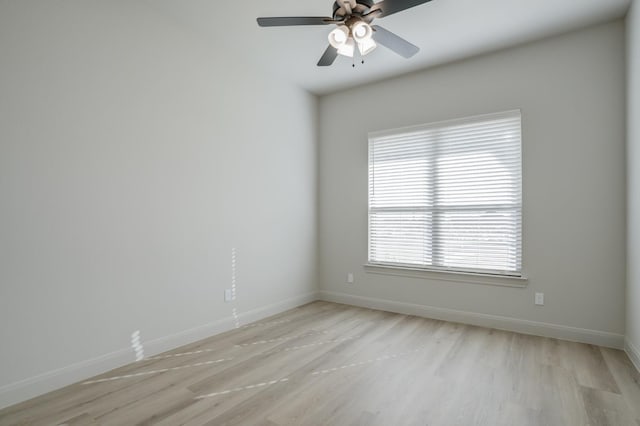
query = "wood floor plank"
x=325 y=363
x=588 y=366
x=626 y=376
x=606 y=408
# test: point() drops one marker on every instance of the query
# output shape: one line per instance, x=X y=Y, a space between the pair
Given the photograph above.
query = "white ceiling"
x=445 y=30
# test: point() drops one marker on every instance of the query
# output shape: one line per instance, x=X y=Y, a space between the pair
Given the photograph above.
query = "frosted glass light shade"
x=348 y=48
x=361 y=31
x=339 y=36
x=366 y=46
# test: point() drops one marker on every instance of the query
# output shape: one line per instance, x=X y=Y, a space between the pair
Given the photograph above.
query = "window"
x=448 y=196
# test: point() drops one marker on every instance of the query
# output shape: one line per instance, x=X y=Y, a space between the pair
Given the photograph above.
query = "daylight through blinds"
x=448 y=195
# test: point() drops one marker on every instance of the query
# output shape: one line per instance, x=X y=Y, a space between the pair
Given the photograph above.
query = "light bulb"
x=362 y=31
x=339 y=36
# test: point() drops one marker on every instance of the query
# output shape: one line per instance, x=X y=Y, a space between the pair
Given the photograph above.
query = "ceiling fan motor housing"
x=362 y=6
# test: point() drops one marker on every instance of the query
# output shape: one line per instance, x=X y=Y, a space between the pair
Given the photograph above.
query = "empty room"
x=320 y=212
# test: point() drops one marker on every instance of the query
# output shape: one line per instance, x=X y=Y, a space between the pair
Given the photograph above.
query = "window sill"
x=434 y=274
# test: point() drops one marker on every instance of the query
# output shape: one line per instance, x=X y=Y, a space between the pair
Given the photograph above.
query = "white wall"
x=132 y=160
x=633 y=183
x=571 y=91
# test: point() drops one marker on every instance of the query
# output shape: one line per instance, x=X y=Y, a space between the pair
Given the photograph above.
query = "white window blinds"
x=448 y=195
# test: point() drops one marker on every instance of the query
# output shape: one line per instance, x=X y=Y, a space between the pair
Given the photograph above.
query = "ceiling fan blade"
x=371 y=15
x=389 y=7
x=328 y=57
x=396 y=43
x=286 y=21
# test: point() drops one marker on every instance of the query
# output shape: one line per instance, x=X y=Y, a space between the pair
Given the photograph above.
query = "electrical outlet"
x=350 y=279
x=228 y=295
x=540 y=299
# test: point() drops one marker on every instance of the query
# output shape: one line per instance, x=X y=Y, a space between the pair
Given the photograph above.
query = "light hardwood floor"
x=330 y=364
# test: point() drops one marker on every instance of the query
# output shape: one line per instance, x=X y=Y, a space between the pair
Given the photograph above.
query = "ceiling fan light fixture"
x=348 y=48
x=361 y=31
x=367 y=46
x=339 y=36
x=353 y=19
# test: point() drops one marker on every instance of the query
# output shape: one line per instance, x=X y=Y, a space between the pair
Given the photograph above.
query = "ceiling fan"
x=353 y=19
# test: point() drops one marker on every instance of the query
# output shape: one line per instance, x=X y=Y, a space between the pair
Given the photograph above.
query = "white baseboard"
x=34 y=386
x=29 y=388
x=23 y=390
x=594 y=337
x=163 y=344
x=633 y=353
